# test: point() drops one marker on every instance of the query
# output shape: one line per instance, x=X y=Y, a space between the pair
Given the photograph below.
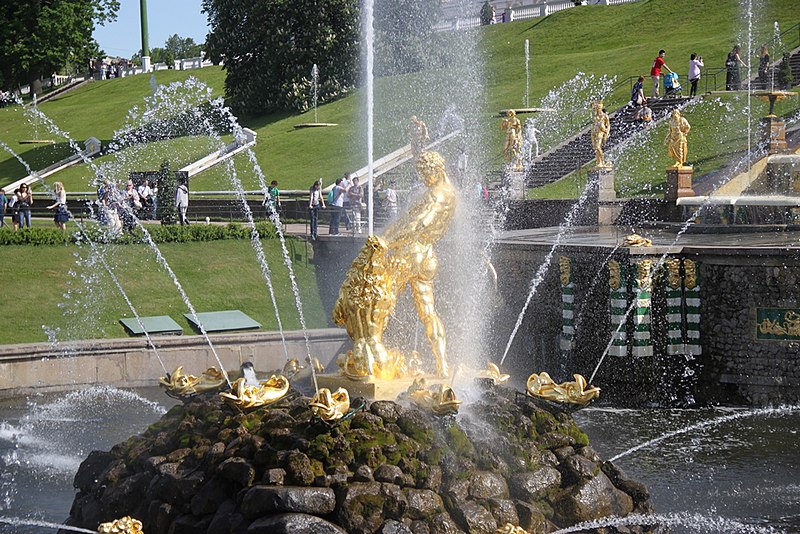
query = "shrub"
x=158 y=233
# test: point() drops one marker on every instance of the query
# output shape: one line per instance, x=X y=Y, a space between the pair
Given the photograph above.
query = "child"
x=3 y=202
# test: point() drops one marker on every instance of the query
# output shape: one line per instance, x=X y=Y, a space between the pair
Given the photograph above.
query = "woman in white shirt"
x=695 y=64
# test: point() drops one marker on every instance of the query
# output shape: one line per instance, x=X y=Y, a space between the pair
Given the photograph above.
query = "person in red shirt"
x=655 y=71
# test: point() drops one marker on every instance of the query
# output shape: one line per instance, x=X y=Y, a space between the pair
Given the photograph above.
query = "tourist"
x=346 y=183
x=644 y=115
x=315 y=202
x=637 y=93
x=154 y=198
x=732 y=63
x=391 y=200
x=655 y=71
x=130 y=203
x=3 y=204
x=60 y=205
x=182 y=201
x=145 y=198
x=763 y=67
x=272 y=199
x=695 y=64
x=338 y=195
x=14 y=209
x=24 y=204
x=356 y=196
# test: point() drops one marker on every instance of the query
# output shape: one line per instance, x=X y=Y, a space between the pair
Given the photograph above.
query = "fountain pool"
x=724 y=470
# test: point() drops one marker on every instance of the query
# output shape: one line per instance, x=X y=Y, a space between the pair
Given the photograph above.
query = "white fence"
x=531 y=10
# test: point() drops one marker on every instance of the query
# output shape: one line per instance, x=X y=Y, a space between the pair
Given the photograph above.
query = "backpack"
x=331 y=195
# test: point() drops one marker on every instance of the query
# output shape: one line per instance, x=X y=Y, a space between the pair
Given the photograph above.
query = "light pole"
x=145 y=46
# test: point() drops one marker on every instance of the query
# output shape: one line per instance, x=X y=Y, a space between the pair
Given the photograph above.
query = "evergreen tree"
x=486 y=14
x=167 y=184
x=785 y=78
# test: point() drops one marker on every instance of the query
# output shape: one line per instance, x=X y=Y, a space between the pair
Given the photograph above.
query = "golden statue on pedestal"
x=601 y=129
x=419 y=135
x=383 y=268
x=676 y=138
x=512 y=144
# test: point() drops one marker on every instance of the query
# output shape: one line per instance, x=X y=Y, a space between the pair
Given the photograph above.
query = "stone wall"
x=131 y=363
x=748 y=369
x=734 y=366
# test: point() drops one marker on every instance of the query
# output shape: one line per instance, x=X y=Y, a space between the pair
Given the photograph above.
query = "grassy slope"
x=94 y=306
x=617 y=40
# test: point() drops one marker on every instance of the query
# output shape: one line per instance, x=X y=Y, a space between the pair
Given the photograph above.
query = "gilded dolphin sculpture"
x=179 y=384
x=266 y=393
x=123 y=525
x=542 y=386
x=439 y=399
x=492 y=371
x=330 y=406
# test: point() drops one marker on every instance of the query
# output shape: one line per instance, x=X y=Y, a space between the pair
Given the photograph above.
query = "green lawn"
x=616 y=41
x=45 y=287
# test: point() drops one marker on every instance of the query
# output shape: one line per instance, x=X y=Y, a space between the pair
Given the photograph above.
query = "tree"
x=403 y=35
x=39 y=37
x=785 y=78
x=486 y=14
x=181 y=47
x=269 y=46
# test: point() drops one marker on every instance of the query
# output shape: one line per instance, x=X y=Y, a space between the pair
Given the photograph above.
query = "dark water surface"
x=745 y=470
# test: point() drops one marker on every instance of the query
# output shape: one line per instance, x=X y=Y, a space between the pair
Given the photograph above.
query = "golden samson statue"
x=386 y=265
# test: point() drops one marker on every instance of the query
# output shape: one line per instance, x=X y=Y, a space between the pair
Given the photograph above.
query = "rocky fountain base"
x=206 y=467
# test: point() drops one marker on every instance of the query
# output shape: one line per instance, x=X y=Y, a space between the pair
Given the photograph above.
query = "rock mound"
x=205 y=467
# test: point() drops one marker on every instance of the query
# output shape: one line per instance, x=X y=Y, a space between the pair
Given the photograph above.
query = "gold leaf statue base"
x=373 y=388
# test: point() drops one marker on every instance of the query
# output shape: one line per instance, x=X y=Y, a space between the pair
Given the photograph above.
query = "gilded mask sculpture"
x=564 y=268
x=644 y=278
x=183 y=385
x=492 y=372
x=690 y=267
x=403 y=257
x=614 y=275
x=674 y=273
x=330 y=406
x=247 y=397
x=576 y=392
x=123 y=525
x=508 y=528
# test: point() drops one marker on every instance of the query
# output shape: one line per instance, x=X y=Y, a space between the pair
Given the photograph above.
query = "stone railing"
x=529 y=10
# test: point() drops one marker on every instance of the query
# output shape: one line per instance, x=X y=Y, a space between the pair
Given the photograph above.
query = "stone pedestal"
x=514 y=182
x=372 y=388
x=607 y=209
x=773 y=134
x=679 y=183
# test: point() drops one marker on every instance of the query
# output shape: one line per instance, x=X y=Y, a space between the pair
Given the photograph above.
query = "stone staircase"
x=577 y=151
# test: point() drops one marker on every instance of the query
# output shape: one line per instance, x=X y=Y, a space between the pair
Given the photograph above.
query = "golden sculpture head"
x=564 y=267
x=512 y=113
x=431 y=168
x=676 y=114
